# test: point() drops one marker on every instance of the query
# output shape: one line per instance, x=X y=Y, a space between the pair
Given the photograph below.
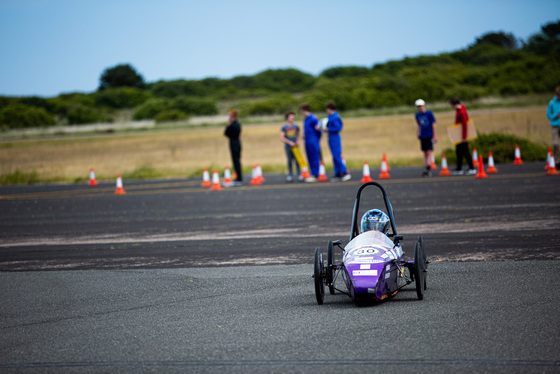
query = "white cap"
x=419 y=102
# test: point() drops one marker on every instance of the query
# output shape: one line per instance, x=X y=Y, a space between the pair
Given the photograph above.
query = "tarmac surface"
x=163 y=278
x=512 y=215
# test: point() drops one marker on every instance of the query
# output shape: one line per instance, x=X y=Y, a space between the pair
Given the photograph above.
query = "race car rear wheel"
x=418 y=271
x=329 y=274
x=318 y=275
x=424 y=260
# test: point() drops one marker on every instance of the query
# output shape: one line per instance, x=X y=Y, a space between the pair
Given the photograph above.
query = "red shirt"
x=462 y=117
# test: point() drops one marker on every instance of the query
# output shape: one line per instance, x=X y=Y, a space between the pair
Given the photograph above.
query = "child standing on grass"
x=289 y=135
x=426 y=132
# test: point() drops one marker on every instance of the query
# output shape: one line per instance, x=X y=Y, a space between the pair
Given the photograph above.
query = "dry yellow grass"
x=187 y=152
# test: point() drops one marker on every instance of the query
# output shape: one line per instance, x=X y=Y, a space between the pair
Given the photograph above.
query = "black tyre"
x=318 y=276
x=419 y=271
x=329 y=273
x=424 y=262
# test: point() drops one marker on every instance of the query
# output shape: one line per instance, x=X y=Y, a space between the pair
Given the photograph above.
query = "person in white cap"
x=426 y=133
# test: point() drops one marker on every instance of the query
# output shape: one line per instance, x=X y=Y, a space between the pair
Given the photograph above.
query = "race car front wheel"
x=318 y=276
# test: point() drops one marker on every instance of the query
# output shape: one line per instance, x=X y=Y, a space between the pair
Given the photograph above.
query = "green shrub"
x=60 y=105
x=277 y=104
x=151 y=108
x=502 y=147
x=122 y=97
x=170 y=115
x=178 y=87
x=79 y=114
x=21 y=116
x=194 y=106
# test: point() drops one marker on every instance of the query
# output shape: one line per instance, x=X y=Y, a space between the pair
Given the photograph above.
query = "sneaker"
x=335 y=179
x=345 y=178
x=289 y=179
x=458 y=172
x=237 y=184
x=300 y=178
x=472 y=172
x=310 y=180
x=426 y=173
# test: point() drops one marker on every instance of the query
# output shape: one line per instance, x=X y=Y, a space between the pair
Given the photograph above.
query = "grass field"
x=186 y=152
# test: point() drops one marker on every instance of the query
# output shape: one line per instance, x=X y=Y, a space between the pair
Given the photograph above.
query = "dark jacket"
x=233 y=131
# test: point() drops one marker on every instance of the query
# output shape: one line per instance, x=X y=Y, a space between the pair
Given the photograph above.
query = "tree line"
x=497 y=63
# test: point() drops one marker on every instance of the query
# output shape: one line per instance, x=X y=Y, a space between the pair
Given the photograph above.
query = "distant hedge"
x=17 y=116
x=122 y=97
x=186 y=105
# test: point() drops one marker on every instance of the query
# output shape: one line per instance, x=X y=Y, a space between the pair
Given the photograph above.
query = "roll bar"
x=355 y=227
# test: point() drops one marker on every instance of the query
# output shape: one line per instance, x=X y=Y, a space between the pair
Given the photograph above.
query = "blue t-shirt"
x=309 y=128
x=291 y=132
x=425 y=121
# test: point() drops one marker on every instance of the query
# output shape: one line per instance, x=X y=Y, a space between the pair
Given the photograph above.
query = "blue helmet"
x=375 y=219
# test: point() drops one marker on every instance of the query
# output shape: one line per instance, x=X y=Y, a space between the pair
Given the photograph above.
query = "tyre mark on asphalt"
x=427 y=228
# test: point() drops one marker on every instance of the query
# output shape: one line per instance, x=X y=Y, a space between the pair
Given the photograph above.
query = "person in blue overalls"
x=334 y=127
x=312 y=134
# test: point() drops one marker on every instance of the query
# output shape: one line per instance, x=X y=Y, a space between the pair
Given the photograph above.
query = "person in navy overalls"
x=334 y=127
x=312 y=134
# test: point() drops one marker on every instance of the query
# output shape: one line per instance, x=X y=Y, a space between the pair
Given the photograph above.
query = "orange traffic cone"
x=260 y=174
x=227 y=177
x=384 y=174
x=517 y=160
x=433 y=165
x=491 y=168
x=444 y=169
x=366 y=173
x=215 y=181
x=92 y=181
x=548 y=156
x=206 y=179
x=120 y=189
x=322 y=173
x=255 y=180
x=552 y=166
x=304 y=172
x=475 y=157
x=386 y=163
x=481 y=173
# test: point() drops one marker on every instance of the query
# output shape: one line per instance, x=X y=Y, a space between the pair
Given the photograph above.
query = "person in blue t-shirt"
x=312 y=136
x=426 y=132
x=289 y=135
x=334 y=127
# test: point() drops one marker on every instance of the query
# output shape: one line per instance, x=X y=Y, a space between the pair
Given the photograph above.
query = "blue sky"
x=50 y=47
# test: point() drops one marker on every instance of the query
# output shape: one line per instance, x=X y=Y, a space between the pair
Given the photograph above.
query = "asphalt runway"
x=512 y=215
x=163 y=278
x=497 y=317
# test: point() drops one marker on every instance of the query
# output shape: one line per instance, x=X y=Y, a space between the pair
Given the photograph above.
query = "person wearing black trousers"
x=233 y=131
x=462 y=149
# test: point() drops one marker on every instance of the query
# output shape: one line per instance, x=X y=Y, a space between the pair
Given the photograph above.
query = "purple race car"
x=373 y=265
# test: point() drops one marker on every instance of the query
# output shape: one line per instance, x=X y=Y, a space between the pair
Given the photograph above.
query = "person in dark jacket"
x=233 y=131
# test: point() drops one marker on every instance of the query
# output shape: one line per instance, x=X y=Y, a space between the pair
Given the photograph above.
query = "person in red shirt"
x=462 y=149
